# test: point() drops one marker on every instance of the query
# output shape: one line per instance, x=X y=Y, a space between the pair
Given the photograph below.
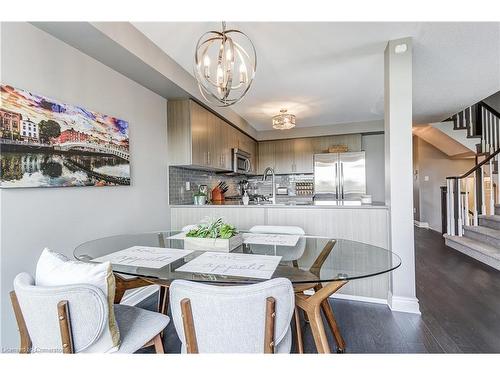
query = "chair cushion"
x=54 y=269
x=138 y=326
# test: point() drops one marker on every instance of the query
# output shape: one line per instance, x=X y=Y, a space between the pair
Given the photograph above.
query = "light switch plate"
x=426 y=178
x=188 y=185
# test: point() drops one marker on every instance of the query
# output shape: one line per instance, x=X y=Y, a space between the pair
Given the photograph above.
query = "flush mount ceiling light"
x=224 y=66
x=284 y=120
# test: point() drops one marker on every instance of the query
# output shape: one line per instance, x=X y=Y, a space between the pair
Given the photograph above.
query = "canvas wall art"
x=46 y=143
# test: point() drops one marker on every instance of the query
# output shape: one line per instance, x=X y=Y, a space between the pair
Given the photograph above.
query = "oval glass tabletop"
x=169 y=255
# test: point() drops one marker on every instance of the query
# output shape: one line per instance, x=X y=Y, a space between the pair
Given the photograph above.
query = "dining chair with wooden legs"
x=233 y=319
x=72 y=319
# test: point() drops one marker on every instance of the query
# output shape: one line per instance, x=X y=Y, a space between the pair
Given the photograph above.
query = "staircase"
x=473 y=199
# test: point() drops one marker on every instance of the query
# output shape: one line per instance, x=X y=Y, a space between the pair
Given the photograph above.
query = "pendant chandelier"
x=284 y=120
x=223 y=67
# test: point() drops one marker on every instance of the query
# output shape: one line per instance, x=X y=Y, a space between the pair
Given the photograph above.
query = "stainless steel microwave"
x=241 y=161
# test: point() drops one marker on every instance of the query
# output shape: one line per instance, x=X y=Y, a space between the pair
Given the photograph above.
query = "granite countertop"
x=307 y=205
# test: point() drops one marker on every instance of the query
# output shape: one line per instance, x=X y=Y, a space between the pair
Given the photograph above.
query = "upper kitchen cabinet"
x=247 y=144
x=284 y=156
x=198 y=137
x=266 y=156
x=293 y=156
x=289 y=156
x=224 y=136
x=303 y=150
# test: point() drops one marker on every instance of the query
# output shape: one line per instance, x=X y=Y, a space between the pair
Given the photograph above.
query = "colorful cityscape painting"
x=46 y=143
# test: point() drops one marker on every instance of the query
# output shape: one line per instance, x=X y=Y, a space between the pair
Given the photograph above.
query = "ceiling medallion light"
x=223 y=67
x=284 y=120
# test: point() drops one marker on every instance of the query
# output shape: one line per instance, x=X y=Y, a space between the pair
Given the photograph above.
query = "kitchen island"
x=362 y=223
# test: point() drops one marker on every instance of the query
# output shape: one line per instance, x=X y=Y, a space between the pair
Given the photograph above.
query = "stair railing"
x=477 y=188
x=490 y=127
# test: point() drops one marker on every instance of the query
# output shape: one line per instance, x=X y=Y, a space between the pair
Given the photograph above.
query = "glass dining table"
x=317 y=267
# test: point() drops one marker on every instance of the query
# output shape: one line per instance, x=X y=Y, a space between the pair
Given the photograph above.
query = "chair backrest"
x=231 y=319
x=88 y=311
x=287 y=253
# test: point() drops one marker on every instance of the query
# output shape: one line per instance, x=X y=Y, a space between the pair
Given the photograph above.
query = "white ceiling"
x=331 y=73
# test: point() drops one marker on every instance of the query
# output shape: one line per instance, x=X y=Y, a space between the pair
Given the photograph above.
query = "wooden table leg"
x=318 y=330
x=312 y=306
x=122 y=285
x=330 y=318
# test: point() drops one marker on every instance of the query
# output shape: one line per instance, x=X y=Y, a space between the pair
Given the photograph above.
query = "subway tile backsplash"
x=178 y=177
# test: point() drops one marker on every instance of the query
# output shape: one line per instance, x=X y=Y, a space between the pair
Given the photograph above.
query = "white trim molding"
x=351 y=297
x=403 y=304
x=421 y=224
x=136 y=296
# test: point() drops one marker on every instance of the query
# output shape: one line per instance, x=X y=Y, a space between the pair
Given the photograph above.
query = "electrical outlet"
x=188 y=186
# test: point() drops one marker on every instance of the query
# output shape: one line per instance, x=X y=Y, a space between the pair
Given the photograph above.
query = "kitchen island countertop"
x=312 y=205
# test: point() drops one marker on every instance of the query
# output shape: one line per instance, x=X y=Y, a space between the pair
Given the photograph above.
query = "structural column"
x=398 y=170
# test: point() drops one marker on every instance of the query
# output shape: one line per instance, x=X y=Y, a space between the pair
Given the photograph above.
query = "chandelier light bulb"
x=243 y=73
x=236 y=60
x=206 y=66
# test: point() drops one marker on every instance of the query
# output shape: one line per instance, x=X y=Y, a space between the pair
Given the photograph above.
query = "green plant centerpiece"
x=213 y=235
x=213 y=229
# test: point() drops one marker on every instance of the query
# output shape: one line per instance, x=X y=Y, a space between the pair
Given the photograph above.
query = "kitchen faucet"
x=268 y=171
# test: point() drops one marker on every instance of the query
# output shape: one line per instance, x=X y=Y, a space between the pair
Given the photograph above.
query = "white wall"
x=61 y=218
x=373 y=145
x=436 y=166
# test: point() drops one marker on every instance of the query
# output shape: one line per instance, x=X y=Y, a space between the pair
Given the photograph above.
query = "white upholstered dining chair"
x=233 y=319
x=71 y=318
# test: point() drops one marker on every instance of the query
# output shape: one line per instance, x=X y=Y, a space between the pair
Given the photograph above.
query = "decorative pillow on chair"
x=54 y=269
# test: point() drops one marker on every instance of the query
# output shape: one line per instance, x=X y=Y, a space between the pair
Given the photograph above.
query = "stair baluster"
x=474 y=201
x=492 y=192
x=459 y=208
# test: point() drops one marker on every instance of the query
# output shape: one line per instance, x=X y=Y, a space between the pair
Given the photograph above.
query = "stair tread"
x=495 y=233
x=490 y=217
x=476 y=245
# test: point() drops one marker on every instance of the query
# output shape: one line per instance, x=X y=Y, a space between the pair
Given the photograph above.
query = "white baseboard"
x=403 y=304
x=135 y=296
x=421 y=224
x=351 y=297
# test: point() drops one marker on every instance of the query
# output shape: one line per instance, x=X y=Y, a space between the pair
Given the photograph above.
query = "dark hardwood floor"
x=459 y=300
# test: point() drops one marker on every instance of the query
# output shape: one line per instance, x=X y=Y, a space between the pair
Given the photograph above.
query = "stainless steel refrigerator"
x=339 y=176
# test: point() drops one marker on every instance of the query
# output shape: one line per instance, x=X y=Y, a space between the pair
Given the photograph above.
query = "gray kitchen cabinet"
x=224 y=144
x=199 y=138
x=303 y=155
x=199 y=135
x=266 y=156
x=284 y=156
x=247 y=144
